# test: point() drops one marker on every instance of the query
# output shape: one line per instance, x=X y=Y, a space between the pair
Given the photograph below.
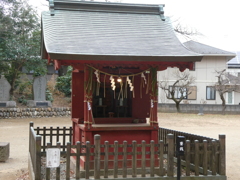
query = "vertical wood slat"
x=58 y=168
x=214 y=157
x=106 y=150
x=143 y=158
x=170 y=157
x=38 y=129
x=70 y=134
x=222 y=154
x=51 y=134
x=78 y=147
x=48 y=169
x=196 y=157
x=161 y=149
x=134 y=159
x=97 y=156
x=124 y=159
x=115 y=160
x=152 y=158
x=68 y=161
x=205 y=157
x=87 y=165
x=64 y=137
x=210 y=155
x=187 y=157
x=58 y=134
x=44 y=138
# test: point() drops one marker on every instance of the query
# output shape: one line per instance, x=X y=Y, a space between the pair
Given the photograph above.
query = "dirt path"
x=210 y=126
x=16 y=132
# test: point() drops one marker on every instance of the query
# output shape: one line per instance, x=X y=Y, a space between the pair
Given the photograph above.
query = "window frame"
x=170 y=87
x=212 y=88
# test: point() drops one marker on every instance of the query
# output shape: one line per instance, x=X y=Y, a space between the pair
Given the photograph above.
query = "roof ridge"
x=187 y=43
x=106 y=6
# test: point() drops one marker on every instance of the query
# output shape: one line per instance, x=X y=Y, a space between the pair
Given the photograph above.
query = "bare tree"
x=180 y=89
x=226 y=83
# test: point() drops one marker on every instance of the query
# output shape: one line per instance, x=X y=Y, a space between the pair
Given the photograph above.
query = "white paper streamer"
x=97 y=76
x=112 y=83
x=89 y=106
x=152 y=105
x=144 y=77
x=130 y=83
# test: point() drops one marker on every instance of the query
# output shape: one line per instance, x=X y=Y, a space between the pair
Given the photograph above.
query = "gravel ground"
x=16 y=132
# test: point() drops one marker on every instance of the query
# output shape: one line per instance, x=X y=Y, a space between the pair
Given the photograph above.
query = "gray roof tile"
x=207 y=50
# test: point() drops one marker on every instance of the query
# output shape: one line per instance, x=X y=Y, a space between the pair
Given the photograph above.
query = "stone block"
x=4 y=151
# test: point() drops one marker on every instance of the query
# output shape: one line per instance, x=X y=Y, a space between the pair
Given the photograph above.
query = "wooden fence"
x=38 y=138
x=155 y=160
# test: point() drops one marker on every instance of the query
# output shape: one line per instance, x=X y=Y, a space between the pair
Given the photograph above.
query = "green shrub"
x=49 y=96
x=63 y=83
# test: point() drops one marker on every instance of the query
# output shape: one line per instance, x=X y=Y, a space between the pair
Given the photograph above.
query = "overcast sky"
x=217 y=20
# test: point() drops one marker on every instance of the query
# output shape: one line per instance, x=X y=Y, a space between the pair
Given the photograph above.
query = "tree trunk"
x=223 y=103
x=178 y=107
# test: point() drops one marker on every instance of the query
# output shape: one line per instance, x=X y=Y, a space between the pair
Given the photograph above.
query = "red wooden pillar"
x=88 y=115
x=154 y=100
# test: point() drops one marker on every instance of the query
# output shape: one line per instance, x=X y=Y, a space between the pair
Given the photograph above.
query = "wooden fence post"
x=170 y=157
x=143 y=158
x=187 y=157
x=115 y=162
x=58 y=168
x=161 y=158
x=152 y=158
x=134 y=159
x=214 y=143
x=38 y=158
x=106 y=150
x=124 y=159
x=68 y=161
x=78 y=147
x=196 y=157
x=222 y=160
x=87 y=164
x=97 y=156
x=30 y=136
x=205 y=157
x=47 y=168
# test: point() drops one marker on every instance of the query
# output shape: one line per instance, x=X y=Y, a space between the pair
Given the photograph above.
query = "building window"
x=179 y=91
x=211 y=93
x=230 y=97
x=189 y=93
x=192 y=95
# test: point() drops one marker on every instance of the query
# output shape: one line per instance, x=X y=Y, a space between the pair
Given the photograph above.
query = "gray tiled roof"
x=207 y=50
x=81 y=30
x=235 y=62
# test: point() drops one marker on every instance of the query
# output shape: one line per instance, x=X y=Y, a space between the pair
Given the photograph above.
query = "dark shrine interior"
x=112 y=103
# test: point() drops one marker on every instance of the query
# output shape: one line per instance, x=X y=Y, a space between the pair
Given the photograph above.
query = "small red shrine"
x=115 y=50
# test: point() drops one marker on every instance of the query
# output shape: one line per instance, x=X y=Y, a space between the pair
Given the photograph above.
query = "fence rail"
x=204 y=158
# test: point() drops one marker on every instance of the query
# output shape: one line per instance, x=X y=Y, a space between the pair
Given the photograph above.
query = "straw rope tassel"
x=104 y=85
x=133 y=87
x=147 y=85
x=126 y=89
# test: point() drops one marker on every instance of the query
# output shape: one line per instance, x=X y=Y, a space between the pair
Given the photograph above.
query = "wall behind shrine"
x=6 y=113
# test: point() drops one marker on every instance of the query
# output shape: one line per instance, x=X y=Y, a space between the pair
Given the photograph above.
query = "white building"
x=205 y=73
